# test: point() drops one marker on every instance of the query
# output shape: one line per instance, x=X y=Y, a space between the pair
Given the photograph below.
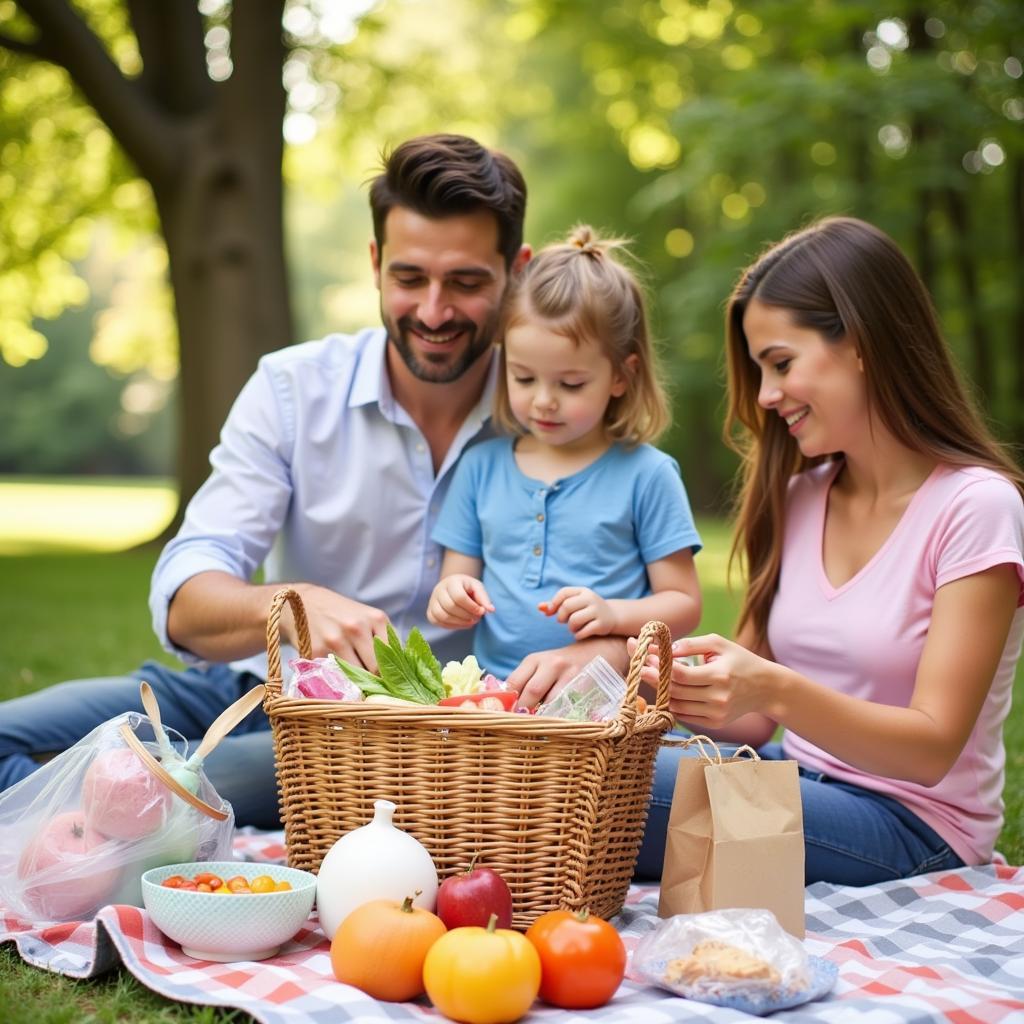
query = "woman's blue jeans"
x=851 y=835
x=241 y=768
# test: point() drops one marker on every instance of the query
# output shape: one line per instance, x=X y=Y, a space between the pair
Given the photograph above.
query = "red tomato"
x=485 y=700
x=173 y=882
x=582 y=959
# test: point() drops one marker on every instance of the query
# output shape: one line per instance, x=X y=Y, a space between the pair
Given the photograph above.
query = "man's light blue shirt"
x=322 y=477
x=599 y=528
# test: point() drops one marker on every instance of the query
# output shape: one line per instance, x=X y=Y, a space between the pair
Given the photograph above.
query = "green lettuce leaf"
x=398 y=672
x=427 y=667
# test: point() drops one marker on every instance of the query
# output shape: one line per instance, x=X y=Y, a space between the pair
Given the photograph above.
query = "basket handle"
x=659 y=633
x=274 y=636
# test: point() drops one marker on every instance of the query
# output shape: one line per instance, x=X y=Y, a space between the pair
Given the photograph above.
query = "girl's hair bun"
x=588 y=242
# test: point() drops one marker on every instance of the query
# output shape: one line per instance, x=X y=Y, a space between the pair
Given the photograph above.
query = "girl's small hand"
x=458 y=602
x=731 y=683
x=584 y=612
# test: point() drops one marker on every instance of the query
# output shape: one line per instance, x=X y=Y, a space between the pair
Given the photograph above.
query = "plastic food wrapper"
x=738 y=958
x=78 y=833
x=321 y=679
x=595 y=695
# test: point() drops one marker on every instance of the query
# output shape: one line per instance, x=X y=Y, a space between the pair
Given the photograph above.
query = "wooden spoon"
x=153 y=710
x=225 y=722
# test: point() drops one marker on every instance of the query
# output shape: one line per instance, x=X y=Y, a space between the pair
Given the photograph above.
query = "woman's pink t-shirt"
x=866 y=637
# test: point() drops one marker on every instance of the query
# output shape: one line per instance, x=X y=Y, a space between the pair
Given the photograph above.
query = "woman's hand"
x=731 y=683
x=458 y=602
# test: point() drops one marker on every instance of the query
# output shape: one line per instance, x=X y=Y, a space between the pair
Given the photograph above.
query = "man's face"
x=441 y=282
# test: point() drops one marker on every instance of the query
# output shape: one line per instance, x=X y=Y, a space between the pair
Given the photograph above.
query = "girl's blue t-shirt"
x=598 y=528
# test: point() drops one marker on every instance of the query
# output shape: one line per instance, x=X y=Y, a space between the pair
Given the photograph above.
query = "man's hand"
x=584 y=612
x=540 y=676
x=338 y=625
x=458 y=602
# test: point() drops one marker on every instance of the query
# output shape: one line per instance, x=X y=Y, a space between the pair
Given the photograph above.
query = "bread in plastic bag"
x=78 y=833
x=739 y=958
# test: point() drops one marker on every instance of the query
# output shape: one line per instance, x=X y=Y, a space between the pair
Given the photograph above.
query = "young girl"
x=573 y=527
x=883 y=530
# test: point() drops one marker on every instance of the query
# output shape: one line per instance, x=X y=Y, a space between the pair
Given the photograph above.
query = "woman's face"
x=817 y=386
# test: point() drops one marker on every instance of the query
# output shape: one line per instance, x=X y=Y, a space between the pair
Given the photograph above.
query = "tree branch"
x=32 y=48
x=170 y=39
x=146 y=135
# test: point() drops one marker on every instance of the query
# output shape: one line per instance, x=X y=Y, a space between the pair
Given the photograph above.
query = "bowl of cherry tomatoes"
x=228 y=910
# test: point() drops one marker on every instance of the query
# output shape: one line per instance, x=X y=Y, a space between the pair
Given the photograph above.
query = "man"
x=330 y=473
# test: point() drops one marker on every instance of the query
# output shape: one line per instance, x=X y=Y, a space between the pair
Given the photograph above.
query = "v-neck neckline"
x=830 y=590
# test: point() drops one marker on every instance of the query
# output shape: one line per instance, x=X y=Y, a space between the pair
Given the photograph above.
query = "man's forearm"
x=219 y=617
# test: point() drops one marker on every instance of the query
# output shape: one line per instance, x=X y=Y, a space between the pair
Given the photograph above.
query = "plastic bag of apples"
x=79 y=832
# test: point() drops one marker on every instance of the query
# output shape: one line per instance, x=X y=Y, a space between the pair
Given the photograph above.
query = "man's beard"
x=443 y=367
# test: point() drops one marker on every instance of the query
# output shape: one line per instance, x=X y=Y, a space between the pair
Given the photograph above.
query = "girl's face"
x=817 y=386
x=558 y=390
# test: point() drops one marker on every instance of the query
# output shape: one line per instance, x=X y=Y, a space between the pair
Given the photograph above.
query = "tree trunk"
x=923 y=133
x=963 y=255
x=211 y=152
x=223 y=224
x=1017 y=325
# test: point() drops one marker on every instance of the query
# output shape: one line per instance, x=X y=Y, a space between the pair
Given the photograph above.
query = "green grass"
x=74 y=615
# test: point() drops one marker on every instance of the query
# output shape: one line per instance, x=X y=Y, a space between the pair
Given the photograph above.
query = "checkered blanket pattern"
x=944 y=947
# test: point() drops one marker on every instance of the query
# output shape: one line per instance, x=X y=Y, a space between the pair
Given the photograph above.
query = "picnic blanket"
x=947 y=947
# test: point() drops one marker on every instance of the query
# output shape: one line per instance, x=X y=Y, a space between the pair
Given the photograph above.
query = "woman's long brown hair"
x=843 y=278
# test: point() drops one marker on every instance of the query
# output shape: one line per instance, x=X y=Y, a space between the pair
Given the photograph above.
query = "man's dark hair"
x=446 y=175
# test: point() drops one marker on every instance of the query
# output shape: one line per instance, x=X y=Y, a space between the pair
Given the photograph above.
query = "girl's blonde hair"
x=582 y=291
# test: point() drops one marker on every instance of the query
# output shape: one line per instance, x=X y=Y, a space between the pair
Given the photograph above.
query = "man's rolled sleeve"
x=232 y=520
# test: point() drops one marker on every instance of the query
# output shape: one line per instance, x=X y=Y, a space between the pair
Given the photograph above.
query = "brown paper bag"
x=735 y=836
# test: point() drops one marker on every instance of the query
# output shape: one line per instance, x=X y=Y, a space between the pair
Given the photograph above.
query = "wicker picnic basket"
x=556 y=807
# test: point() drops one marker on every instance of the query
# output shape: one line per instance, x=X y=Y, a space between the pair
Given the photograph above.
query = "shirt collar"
x=371 y=385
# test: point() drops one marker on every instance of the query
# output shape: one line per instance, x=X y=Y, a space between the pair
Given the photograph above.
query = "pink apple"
x=66 y=869
x=121 y=797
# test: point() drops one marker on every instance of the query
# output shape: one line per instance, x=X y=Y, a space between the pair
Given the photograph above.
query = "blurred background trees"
x=701 y=130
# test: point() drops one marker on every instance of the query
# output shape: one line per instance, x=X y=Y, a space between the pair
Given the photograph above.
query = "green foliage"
x=47 y=210
x=703 y=130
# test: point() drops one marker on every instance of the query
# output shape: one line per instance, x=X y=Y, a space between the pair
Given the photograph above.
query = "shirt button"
x=540 y=517
x=537 y=550
x=421 y=447
x=431 y=562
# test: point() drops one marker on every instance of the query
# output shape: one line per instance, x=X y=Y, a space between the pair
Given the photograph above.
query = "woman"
x=883 y=533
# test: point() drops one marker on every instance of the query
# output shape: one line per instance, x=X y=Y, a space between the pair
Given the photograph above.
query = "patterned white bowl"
x=229 y=927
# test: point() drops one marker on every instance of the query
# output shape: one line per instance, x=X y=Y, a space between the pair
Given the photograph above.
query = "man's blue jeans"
x=241 y=768
x=851 y=835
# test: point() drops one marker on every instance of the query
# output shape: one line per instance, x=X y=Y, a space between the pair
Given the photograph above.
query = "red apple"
x=470 y=897
x=66 y=870
x=121 y=797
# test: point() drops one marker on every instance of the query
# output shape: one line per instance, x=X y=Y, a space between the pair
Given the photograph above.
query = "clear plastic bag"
x=78 y=833
x=594 y=695
x=320 y=679
x=737 y=957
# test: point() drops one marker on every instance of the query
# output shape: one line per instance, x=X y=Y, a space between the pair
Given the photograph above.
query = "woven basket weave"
x=557 y=808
